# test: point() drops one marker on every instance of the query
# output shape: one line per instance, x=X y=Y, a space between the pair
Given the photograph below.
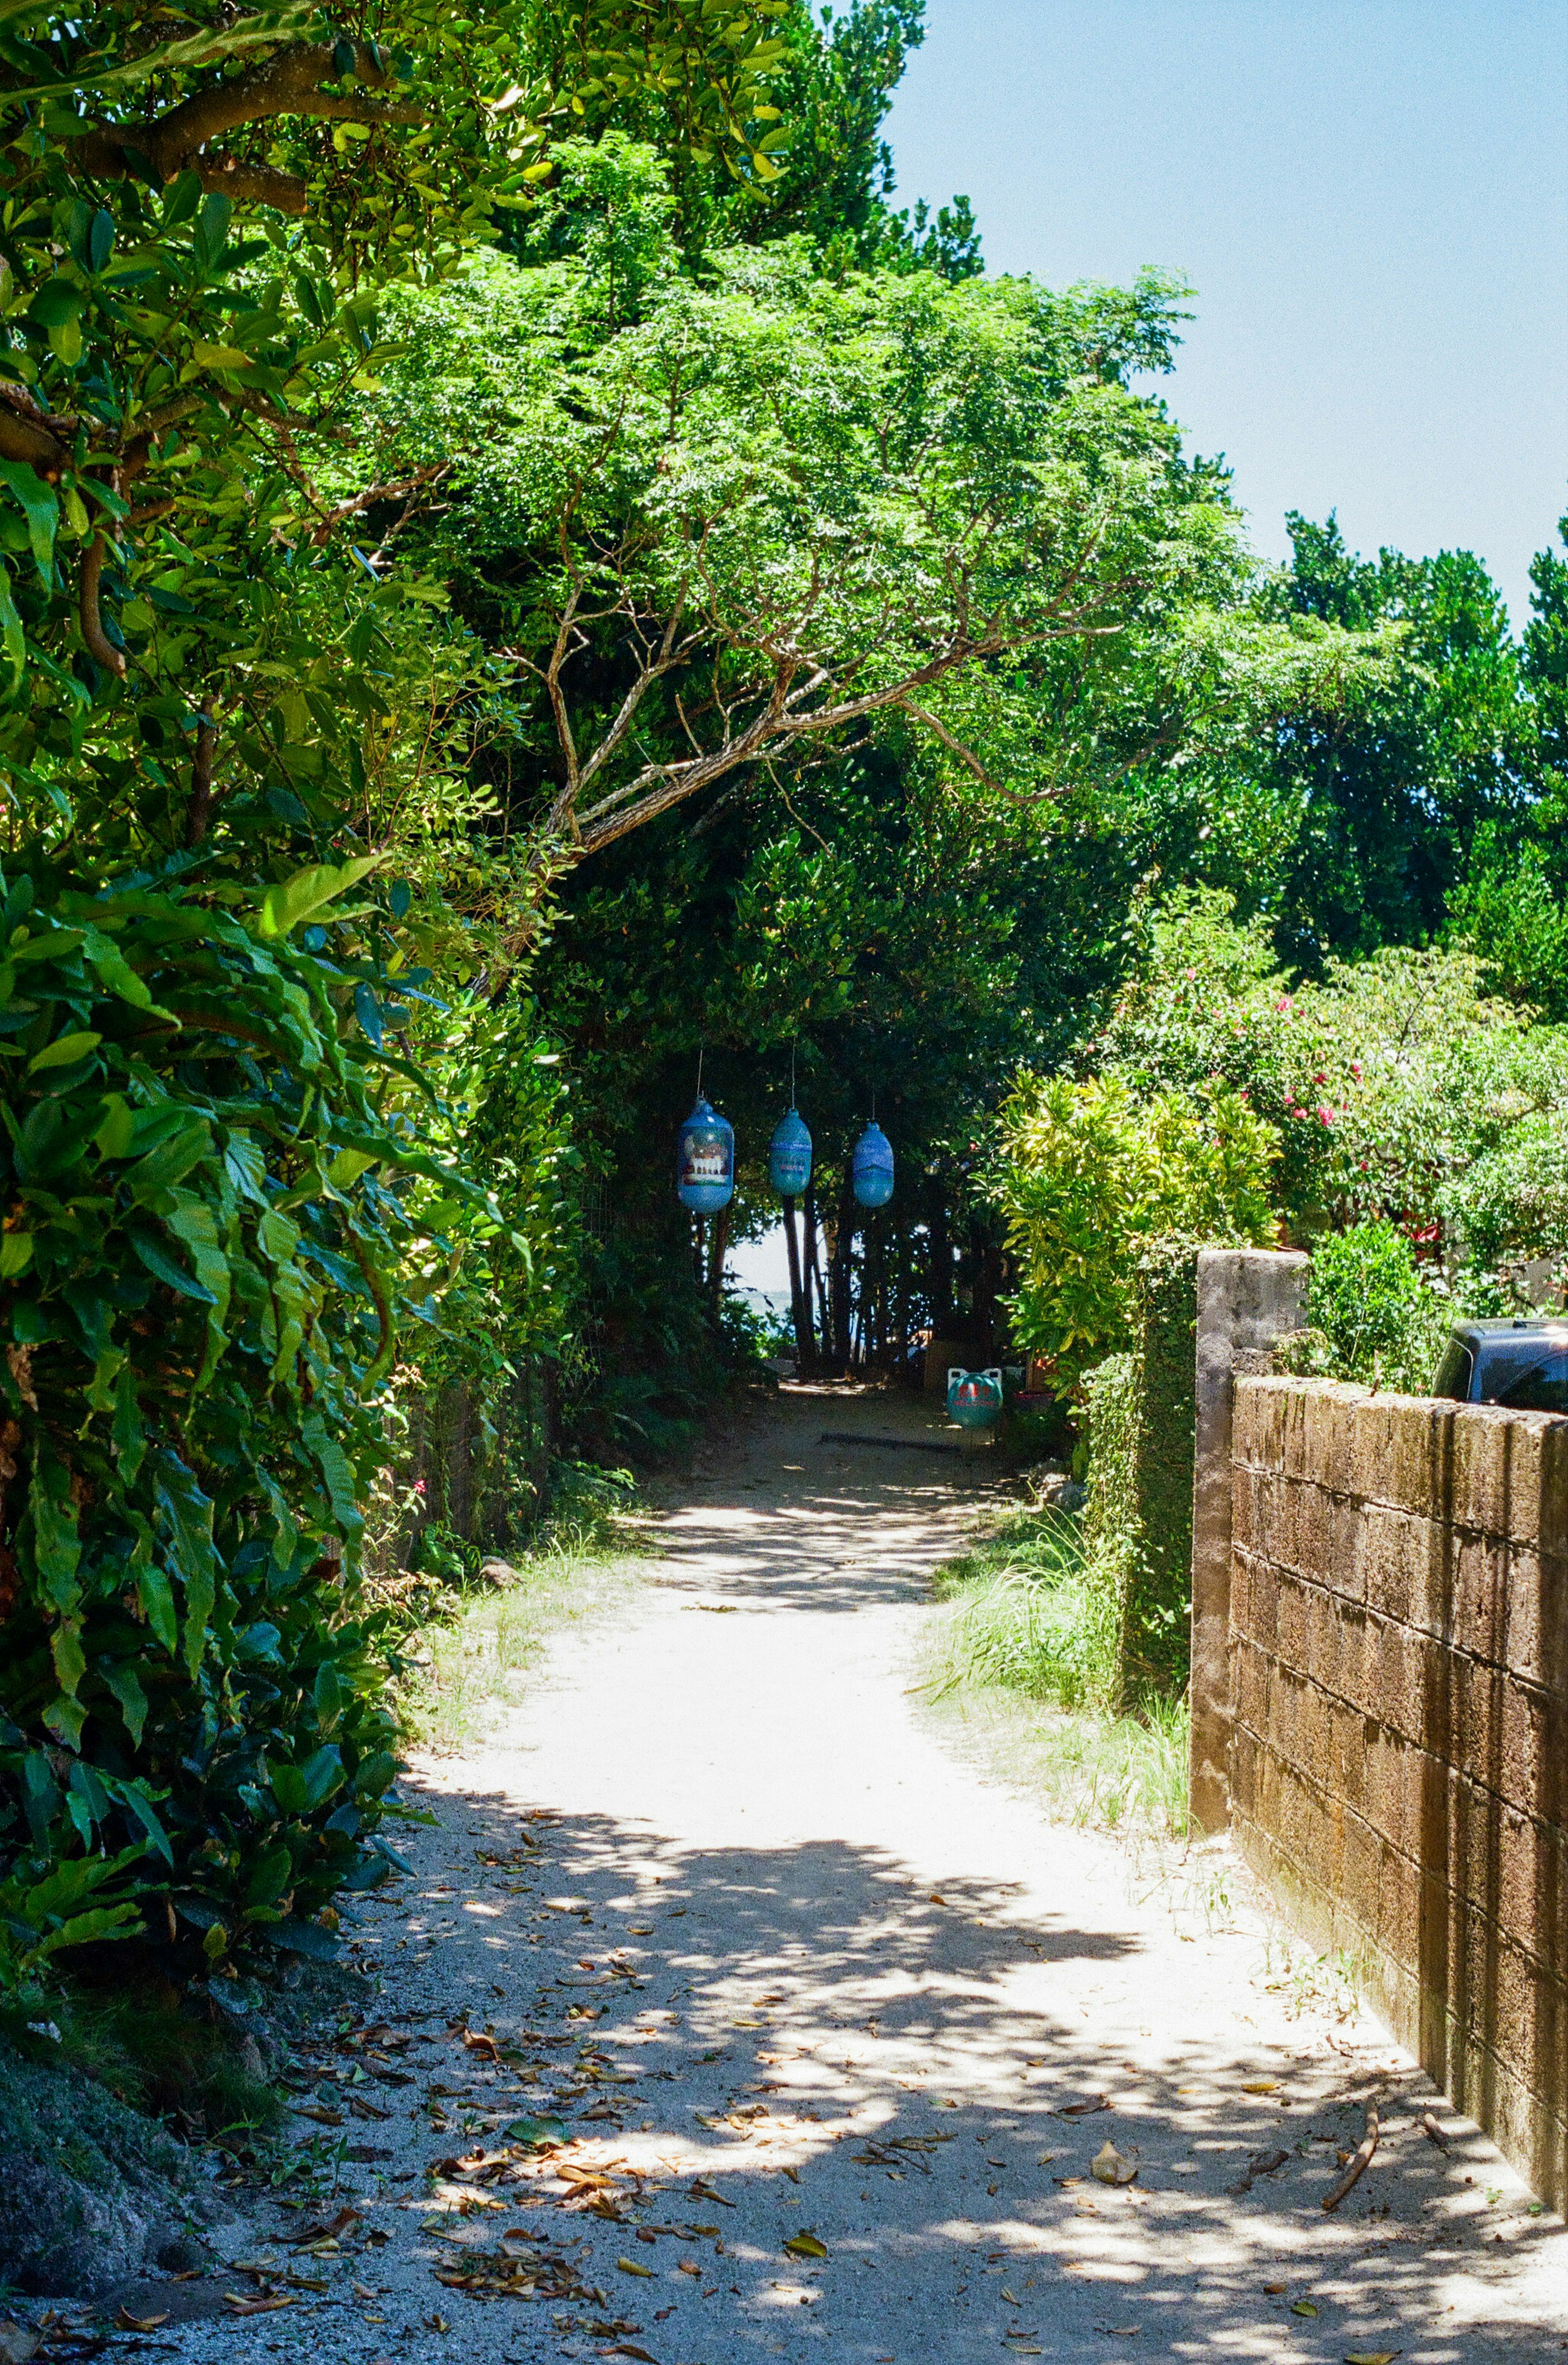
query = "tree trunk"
x=716 y=1259
x=941 y=1266
x=800 y=1305
x=900 y=1307
x=816 y=1296
x=843 y=1248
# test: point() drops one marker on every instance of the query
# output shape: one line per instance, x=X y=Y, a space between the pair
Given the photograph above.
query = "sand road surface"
x=825 y=2029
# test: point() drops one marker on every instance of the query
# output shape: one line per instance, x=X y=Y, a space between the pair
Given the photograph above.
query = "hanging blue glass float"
x=872 y=1167
x=790 y=1156
x=705 y=1161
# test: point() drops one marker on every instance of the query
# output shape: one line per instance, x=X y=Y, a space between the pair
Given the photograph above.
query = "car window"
x=1540 y=1386
x=1454 y=1371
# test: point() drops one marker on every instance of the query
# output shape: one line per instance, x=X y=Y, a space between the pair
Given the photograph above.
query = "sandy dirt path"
x=719 y=1899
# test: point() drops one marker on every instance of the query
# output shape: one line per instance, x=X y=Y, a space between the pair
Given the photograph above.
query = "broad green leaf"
x=193 y=1222
x=162 y=1266
x=16 y=1254
x=306 y=1938
x=41 y=508
x=115 y=970
x=11 y=630
x=126 y=1435
x=156 y=1596
x=115 y=1133
x=65 y=1050
x=56 y=1546
x=336 y=1469
x=219 y=357
x=70 y=1659
x=188 y=1547
x=311 y=889
x=348 y=1166
x=126 y=1685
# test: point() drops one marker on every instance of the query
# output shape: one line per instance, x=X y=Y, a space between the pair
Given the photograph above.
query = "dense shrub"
x=1090 y=1177
x=204 y=1228
x=1370 y=1316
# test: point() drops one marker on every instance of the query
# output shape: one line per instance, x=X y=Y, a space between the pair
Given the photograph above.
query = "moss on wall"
x=1157 y=1602
x=1138 y=1519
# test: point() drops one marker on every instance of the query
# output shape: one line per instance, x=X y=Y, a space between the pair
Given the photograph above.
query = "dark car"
x=1522 y=1362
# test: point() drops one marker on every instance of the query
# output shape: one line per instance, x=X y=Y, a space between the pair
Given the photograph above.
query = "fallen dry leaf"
x=126 y=2322
x=1261 y=2086
x=1372 y=2356
x=629 y=2266
x=1302 y=2307
x=805 y=2245
x=18 y=2344
x=266 y=2305
x=1110 y=2165
x=1084 y=2110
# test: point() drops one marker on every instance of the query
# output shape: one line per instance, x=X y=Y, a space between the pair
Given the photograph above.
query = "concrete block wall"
x=1398 y=1661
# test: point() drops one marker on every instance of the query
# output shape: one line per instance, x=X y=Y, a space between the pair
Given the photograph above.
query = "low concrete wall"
x=1398 y=1644
x=1246 y=1299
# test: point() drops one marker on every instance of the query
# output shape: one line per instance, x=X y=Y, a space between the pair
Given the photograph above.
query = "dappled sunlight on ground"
x=713 y=1950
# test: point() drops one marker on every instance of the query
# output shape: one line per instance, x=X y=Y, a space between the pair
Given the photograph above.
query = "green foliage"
x=1511 y=1205
x=1510 y=907
x=1385 y=1079
x=1110 y=1520
x=1369 y=1313
x=665 y=480
x=47 y=1906
x=1019 y=1614
x=204 y=1233
x=1381 y=805
x=1154 y=1651
x=1089 y=1178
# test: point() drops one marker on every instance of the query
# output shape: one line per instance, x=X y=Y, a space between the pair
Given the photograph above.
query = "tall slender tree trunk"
x=840 y=1307
x=800 y=1307
x=716 y=1257
x=941 y=1266
x=816 y=1296
x=900 y=1307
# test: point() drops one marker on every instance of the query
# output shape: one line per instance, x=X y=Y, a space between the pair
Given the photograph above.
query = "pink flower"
x=1327 y=1114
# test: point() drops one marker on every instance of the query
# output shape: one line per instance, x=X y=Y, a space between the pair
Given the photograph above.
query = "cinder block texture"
x=1245 y=1299
x=1397 y=1679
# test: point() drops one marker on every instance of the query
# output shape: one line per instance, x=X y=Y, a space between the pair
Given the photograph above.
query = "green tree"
x=1381 y=803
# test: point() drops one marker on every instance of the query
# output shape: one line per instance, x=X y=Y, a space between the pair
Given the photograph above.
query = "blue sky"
x=1369 y=197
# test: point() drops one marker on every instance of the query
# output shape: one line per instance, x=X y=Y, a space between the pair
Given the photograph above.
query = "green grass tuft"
x=1022 y=1652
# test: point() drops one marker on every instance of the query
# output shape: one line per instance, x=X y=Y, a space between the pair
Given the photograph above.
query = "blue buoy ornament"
x=871 y=1168
x=790 y=1156
x=705 y=1163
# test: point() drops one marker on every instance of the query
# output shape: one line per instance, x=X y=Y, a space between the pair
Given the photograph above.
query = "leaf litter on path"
x=1110 y=2165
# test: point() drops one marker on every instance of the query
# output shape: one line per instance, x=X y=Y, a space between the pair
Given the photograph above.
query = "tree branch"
x=99 y=647
x=199 y=814
x=288 y=83
x=320 y=534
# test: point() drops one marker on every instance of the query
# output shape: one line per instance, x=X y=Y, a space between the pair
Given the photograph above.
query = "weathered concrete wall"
x=1246 y=1298
x=1398 y=1641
